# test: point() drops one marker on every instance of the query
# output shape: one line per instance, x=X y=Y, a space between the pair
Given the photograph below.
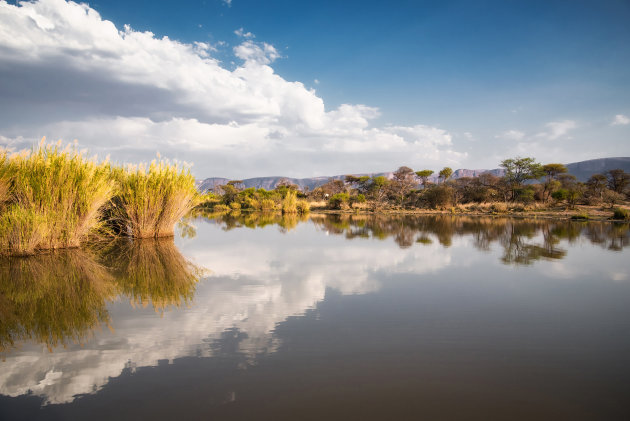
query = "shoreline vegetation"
x=528 y=189
x=54 y=198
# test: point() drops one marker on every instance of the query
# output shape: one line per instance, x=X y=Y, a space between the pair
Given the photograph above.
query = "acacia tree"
x=424 y=176
x=518 y=170
x=445 y=174
x=362 y=184
x=618 y=180
x=597 y=185
x=403 y=182
x=551 y=172
x=377 y=189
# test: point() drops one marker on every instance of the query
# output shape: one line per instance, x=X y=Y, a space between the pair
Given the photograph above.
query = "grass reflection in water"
x=62 y=297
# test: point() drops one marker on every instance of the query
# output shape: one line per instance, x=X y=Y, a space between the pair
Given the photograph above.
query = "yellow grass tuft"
x=151 y=200
x=52 y=196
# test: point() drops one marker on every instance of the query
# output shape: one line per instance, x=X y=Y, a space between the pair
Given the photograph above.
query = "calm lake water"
x=328 y=317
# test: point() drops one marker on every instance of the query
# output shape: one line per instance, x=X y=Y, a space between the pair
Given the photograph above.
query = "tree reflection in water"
x=62 y=297
x=524 y=241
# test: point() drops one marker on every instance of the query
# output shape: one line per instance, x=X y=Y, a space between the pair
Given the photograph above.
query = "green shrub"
x=220 y=207
x=339 y=201
x=560 y=195
x=303 y=206
x=441 y=196
x=622 y=214
x=235 y=206
x=267 y=205
x=581 y=216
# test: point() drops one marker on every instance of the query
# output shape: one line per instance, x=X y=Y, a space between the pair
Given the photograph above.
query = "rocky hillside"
x=582 y=170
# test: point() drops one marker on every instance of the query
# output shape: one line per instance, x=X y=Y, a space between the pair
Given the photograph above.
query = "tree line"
x=525 y=181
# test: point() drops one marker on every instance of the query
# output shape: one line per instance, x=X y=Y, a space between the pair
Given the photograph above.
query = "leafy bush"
x=441 y=196
x=221 y=208
x=580 y=216
x=303 y=206
x=267 y=205
x=620 y=213
x=560 y=195
x=339 y=201
x=524 y=195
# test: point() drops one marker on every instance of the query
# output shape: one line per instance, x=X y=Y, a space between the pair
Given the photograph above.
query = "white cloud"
x=620 y=120
x=241 y=33
x=511 y=135
x=254 y=285
x=258 y=53
x=73 y=75
x=557 y=129
x=228 y=3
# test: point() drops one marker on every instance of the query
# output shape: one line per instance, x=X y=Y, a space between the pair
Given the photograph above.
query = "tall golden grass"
x=55 y=197
x=289 y=203
x=151 y=199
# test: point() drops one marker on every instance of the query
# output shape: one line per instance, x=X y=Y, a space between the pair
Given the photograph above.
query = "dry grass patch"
x=151 y=199
x=51 y=197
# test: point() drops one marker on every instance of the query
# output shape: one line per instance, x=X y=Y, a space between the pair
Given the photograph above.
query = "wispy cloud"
x=557 y=129
x=228 y=3
x=241 y=33
x=511 y=135
x=620 y=120
x=261 y=53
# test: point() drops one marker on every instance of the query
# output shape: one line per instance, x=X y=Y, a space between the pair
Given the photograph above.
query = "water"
x=328 y=317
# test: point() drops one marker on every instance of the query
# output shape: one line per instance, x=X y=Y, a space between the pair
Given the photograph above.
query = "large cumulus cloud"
x=67 y=73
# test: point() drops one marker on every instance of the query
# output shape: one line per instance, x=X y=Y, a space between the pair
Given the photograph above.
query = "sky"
x=246 y=88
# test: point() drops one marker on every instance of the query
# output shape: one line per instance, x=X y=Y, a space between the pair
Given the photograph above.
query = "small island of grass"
x=53 y=197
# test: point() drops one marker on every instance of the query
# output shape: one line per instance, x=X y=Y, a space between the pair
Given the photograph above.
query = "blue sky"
x=383 y=84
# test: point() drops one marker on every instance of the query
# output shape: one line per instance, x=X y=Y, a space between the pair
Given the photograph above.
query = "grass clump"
x=621 y=214
x=580 y=216
x=267 y=205
x=150 y=200
x=303 y=207
x=51 y=198
x=289 y=203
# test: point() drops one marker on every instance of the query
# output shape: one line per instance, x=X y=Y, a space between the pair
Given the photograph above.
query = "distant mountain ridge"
x=582 y=170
